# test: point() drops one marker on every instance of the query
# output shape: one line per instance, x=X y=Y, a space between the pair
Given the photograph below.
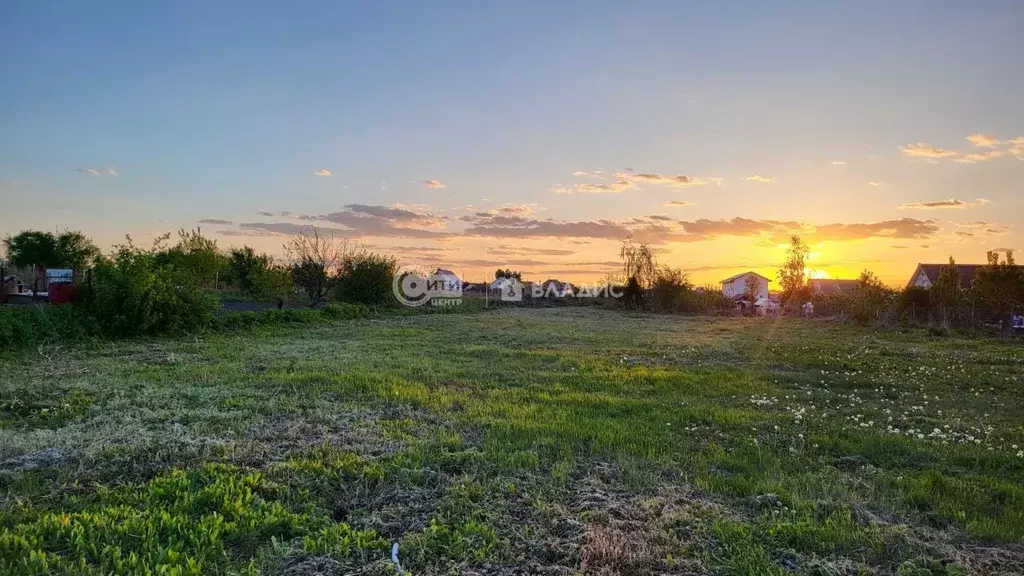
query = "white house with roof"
x=736 y=286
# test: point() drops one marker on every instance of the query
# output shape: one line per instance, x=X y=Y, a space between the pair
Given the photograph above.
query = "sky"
x=531 y=135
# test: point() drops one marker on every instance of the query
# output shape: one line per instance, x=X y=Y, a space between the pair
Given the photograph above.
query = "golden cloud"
x=922 y=150
x=983 y=140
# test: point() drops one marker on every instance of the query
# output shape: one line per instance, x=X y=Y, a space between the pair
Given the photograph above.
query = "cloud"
x=679 y=181
x=944 y=204
x=434 y=184
x=629 y=179
x=973 y=224
x=838 y=163
x=98 y=171
x=899 y=247
x=658 y=229
x=215 y=221
x=922 y=150
x=323 y=172
x=961 y=233
x=530 y=251
x=761 y=179
x=1017 y=147
x=874 y=184
x=517 y=209
x=364 y=220
x=975 y=157
x=983 y=140
x=265 y=213
x=679 y=203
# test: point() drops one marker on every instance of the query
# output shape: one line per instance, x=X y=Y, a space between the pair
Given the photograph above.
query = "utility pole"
x=3 y=281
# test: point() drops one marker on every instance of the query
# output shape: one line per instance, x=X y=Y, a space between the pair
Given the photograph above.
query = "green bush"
x=241 y=320
x=366 y=278
x=22 y=327
x=257 y=276
x=132 y=294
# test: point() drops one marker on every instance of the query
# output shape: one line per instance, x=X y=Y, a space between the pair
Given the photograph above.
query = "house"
x=830 y=286
x=12 y=285
x=552 y=287
x=501 y=283
x=927 y=274
x=736 y=286
x=448 y=277
x=765 y=306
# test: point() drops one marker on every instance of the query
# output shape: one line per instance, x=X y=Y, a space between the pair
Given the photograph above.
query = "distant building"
x=449 y=277
x=559 y=289
x=829 y=286
x=927 y=274
x=736 y=286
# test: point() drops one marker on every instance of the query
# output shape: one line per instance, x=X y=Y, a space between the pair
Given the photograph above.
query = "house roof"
x=932 y=272
x=832 y=285
x=731 y=278
x=445 y=272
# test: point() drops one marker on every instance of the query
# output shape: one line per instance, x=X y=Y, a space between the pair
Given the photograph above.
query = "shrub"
x=337 y=311
x=257 y=276
x=21 y=327
x=670 y=291
x=132 y=294
x=366 y=278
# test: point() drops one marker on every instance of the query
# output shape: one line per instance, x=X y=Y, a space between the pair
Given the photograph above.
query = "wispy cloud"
x=761 y=179
x=943 y=204
x=629 y=179
x=874 y=184
x=838 y=163
x=976 y=157
x=98 y=171
x=323 y=173
x=922 y=150
x=679 y=203
x=434 y=184
x=658 y=229
x=362 y=221
x=1017 y=147
x=265 y=213
x=983 y=140
x=215 y=221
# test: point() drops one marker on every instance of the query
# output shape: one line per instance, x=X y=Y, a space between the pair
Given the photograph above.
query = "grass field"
x=564 y=441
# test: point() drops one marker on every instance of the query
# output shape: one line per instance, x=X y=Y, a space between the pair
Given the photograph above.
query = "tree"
x=197 y=255
x=871 y=298
x=75 y=250
x=751 y=289
x=638 y=262
x=793 y=274
x=366 y=278
x=257 y=275
x=506 y=273
x=40 y=250
x=33 y=248
x=947 y=293
x=315 y=259
x=671 y=287
x=999 y=288
x=640 y=269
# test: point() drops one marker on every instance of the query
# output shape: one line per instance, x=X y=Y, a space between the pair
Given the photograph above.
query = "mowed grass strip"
x=548 y=441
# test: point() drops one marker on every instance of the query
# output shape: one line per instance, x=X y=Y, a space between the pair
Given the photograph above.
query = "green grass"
x=518 y=441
